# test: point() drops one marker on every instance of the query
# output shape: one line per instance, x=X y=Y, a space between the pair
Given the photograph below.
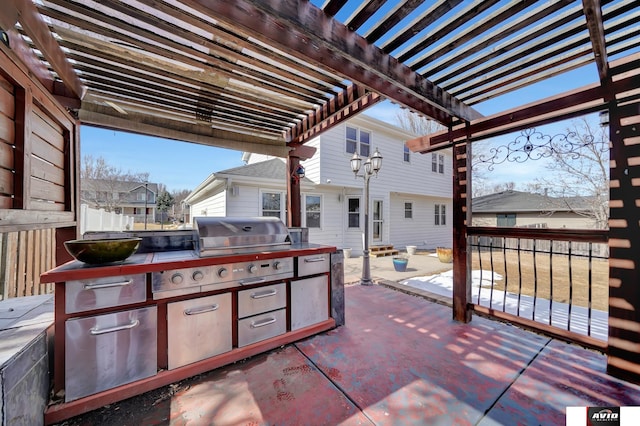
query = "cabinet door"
x=105 y=351
x=309 y=301
x=198 y=329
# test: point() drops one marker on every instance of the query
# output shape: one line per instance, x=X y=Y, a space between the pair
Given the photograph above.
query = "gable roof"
x=517 y=201
x=115 y=185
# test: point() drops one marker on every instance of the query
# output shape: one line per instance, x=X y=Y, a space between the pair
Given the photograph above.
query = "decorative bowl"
x=102 y=251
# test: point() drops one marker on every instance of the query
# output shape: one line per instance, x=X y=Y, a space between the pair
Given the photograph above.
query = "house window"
x=271 y=204
x=506 y=219
x=358 y=140
x=407 y=154
x=437 y=163
x=312 y=211
x=408 y=210
x=440 y=214
x=354 y=212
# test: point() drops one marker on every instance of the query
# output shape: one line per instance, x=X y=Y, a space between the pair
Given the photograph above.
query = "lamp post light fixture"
x=371 y=167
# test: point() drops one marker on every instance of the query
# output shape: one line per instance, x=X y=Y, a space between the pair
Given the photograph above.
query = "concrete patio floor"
x=399 y=360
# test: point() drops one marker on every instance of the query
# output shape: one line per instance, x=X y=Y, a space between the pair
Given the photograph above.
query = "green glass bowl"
x=102 y=251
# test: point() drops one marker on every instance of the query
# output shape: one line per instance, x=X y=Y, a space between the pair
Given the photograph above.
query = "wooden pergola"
x=266 y=76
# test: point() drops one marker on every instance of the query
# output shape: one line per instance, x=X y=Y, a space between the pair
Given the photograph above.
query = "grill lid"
x=232 y=235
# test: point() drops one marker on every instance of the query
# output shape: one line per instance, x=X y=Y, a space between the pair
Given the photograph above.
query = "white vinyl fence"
x=100 y=220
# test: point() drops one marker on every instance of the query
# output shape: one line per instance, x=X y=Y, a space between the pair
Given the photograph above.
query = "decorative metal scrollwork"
x=533 y=145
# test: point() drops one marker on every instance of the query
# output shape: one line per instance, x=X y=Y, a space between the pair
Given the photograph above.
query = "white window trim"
x=283 y=201
x=304 y=209
x=360 y=212
x=358 y=130
x=404 y=209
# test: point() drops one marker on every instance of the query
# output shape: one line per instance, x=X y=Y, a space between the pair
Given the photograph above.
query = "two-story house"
x=137 y=199
x=410 y=198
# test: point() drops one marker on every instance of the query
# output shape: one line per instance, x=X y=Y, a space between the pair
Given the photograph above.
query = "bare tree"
x=100 y=182
x=579 y=171
x=416 y=123
x=421 y=125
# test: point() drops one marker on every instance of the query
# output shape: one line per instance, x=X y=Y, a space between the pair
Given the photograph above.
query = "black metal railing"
x=552 y=280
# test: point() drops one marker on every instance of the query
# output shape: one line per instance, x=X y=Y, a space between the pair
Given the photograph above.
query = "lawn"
x=568 y=281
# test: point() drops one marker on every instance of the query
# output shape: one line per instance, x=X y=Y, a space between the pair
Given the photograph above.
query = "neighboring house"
x=410 y=199
x=121 y=197
x=524 y=209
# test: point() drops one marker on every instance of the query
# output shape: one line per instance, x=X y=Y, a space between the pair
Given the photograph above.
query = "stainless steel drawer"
x=198 y=329
x=309 y=301
x=262 y=299
x=261 y=327
x=106 y=292
x=314 y=264
x=105 y=351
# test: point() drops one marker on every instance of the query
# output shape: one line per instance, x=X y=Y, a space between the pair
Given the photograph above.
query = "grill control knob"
x=197 y=275
x=252 y=269
x=177 y=278
x=223 y=272
x=277 y=265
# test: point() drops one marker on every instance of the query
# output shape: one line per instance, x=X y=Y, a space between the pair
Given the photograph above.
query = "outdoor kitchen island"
x=156 y=318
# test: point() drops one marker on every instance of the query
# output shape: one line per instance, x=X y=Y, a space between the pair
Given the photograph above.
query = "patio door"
x=377 y=221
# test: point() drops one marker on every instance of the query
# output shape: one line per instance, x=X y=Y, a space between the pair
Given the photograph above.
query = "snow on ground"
x=556 y=313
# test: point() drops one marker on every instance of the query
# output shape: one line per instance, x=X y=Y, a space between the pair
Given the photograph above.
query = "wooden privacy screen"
x=38 y=154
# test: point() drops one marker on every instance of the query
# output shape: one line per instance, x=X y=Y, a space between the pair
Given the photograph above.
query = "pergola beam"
x=154 y=125
x=37 y=29
x=344 y=105
x=314 y=37
x=565 y=105
x=593 y=13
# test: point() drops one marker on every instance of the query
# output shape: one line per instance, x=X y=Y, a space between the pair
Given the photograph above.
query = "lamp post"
x=371 y=166
x=146 y=196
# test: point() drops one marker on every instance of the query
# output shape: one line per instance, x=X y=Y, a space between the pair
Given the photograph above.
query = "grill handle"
x=246 y=246
x=258 y=280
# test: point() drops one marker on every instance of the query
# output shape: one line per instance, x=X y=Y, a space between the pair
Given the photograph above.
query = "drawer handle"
x=201 y=310
x=107 y=285
x=96 y=331
x=262 y=323
x=259 y=280
x=263 y=294
x=314 y=260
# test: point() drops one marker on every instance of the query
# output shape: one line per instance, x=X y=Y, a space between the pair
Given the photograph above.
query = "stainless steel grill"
x=222 y=237
x=236 y=235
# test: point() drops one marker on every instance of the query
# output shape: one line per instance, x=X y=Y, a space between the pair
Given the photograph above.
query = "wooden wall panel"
x=42 y=190
x=46 y=171
x=47 y=129
x=42 y=149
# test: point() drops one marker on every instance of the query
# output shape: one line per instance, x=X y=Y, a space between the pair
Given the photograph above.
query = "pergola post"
x=623 y=355
x=461 y=217
x=294 y=214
